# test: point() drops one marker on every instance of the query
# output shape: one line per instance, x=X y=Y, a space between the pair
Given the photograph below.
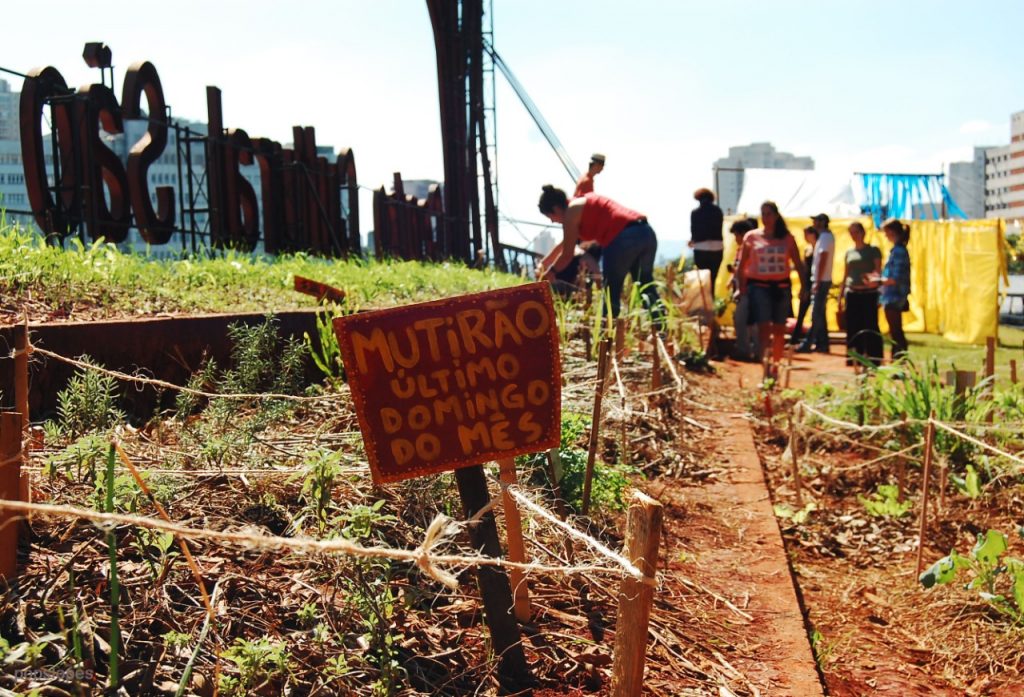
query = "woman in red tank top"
x=629 y=244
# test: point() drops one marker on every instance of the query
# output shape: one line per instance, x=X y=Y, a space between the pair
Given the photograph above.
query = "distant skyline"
x=663 y=88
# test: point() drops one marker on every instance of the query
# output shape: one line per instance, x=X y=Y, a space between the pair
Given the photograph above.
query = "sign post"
x=451 y=384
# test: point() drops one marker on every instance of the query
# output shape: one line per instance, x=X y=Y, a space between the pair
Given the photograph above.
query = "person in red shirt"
x=628 y=243
x=585 y=185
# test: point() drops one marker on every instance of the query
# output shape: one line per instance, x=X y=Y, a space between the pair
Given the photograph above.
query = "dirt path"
x=724 y=535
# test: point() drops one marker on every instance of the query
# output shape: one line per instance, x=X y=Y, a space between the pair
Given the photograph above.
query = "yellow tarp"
x=955 y=270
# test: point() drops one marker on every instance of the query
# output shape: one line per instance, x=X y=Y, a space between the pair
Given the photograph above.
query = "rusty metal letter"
x=155 y=226
x=346 y=167
x=242 y=209
x=40 y=86
x=101 y=165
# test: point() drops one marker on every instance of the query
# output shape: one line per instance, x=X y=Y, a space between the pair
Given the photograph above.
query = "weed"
x=359 y=521
x=322 y=469
x=325 y=352
x=885 y=502
x=82 y=455
x=88 y=403
x=998 y=578
x=797 y=517
x=257 y=662
x=307 y=615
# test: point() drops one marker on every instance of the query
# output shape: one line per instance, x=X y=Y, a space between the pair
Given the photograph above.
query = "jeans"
x=817 y=338
x=801 y=314
x=863 y=336
x=894 y=316
x=632 y=252
x=712 y=261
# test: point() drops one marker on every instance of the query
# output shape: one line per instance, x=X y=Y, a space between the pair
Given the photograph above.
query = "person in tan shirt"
x=585 y=185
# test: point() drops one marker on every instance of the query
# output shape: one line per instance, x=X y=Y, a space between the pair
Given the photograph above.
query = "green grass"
x=964 y=357
x=47 y=280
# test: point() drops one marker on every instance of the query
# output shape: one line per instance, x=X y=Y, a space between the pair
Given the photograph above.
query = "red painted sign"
x=318 y=290
x=454 y=382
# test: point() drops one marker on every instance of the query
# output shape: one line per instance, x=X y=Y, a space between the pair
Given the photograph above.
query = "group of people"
x=765 y=258
x=598 y=230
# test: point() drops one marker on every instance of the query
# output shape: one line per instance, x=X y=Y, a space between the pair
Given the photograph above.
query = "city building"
x=728 y=170
x=967 y=184
x=1004 y=175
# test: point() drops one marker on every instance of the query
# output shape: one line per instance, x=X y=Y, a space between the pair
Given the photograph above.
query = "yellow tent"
x=956 y=267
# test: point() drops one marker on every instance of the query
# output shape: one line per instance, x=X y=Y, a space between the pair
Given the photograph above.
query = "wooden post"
x=513 y=671
x=595 y=421
x=901 y=471
x=656 y=360
x=10 y=489
x=643 y=533
x=929 y=439
x=516 y=546
x=797 y=484
x=943 y=483
x=1013 y=370
x=990 y=371
x=620 y=338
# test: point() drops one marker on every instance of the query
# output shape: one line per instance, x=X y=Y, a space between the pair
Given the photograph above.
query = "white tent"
x=798 y=192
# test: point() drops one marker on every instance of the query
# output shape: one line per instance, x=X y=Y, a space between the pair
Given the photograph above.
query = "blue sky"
x=663 y=88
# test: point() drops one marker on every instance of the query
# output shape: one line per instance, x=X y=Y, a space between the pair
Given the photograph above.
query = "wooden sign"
x=457 y=382
x=319 y=290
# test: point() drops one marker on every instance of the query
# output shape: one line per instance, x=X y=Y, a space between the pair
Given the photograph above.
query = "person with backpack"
x=769 y=256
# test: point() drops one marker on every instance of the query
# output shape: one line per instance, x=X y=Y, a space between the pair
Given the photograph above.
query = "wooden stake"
x=656 y=360
x=620 y=338
x=643 y=533
x=901 y=471
x=1013 y=370
x=10 y=489
x=990 y=371
x=929 y=438
x=595 y=422
x=943 y=481
x=516 y=546
x=797 y=484
x=513 y=671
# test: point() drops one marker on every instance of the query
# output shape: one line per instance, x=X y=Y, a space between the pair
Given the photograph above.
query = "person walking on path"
x=764 y=272
x=896 y=284
x=706 y=234
x=585 y=184
x=747 y=347
x=811 y=238
x=821 y=285
x=628 y=243
x=863 y=264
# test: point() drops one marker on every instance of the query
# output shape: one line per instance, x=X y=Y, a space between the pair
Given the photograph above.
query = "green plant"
x=82 y=455
x=998 y=578
x=885 y=502
x=177 y=640
x=307 y=615
x=359 y=521
x=258 y=662
x=325 y=352
x=798 y=517
x=322 y=468
x=157 y=548
x=88 y=403
x=610 y=481
x=969 y=484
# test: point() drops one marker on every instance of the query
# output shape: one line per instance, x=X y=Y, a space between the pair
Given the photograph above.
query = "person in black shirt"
x=706 y=234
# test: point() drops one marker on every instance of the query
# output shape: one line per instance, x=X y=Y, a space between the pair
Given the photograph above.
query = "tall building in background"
x=967 y=184
x=1004 y=175
x=728 y=171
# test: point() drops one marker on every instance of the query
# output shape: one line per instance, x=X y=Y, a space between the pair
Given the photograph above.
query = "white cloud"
x=975 y=126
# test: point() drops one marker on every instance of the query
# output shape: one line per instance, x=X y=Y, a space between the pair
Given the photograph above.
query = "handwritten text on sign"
x=455 y=382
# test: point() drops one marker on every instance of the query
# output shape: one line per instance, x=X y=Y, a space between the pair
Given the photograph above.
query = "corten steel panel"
x=166 y=348
x=456 y=382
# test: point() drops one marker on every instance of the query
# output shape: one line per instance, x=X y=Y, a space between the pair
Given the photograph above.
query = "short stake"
x=516 y=546
x=797 y=484
x=656 y=360
x=513 y=671
x=1013 y=370
x=929 y=439
x=620 y=338
x=643 y=533
x=10 y=489
x=595 y=421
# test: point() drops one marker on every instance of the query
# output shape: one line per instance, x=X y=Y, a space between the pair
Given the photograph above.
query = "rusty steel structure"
x=306 y=203
x=309 y=203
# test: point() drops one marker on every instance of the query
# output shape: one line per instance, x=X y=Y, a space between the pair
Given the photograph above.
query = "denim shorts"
x=769 y=303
